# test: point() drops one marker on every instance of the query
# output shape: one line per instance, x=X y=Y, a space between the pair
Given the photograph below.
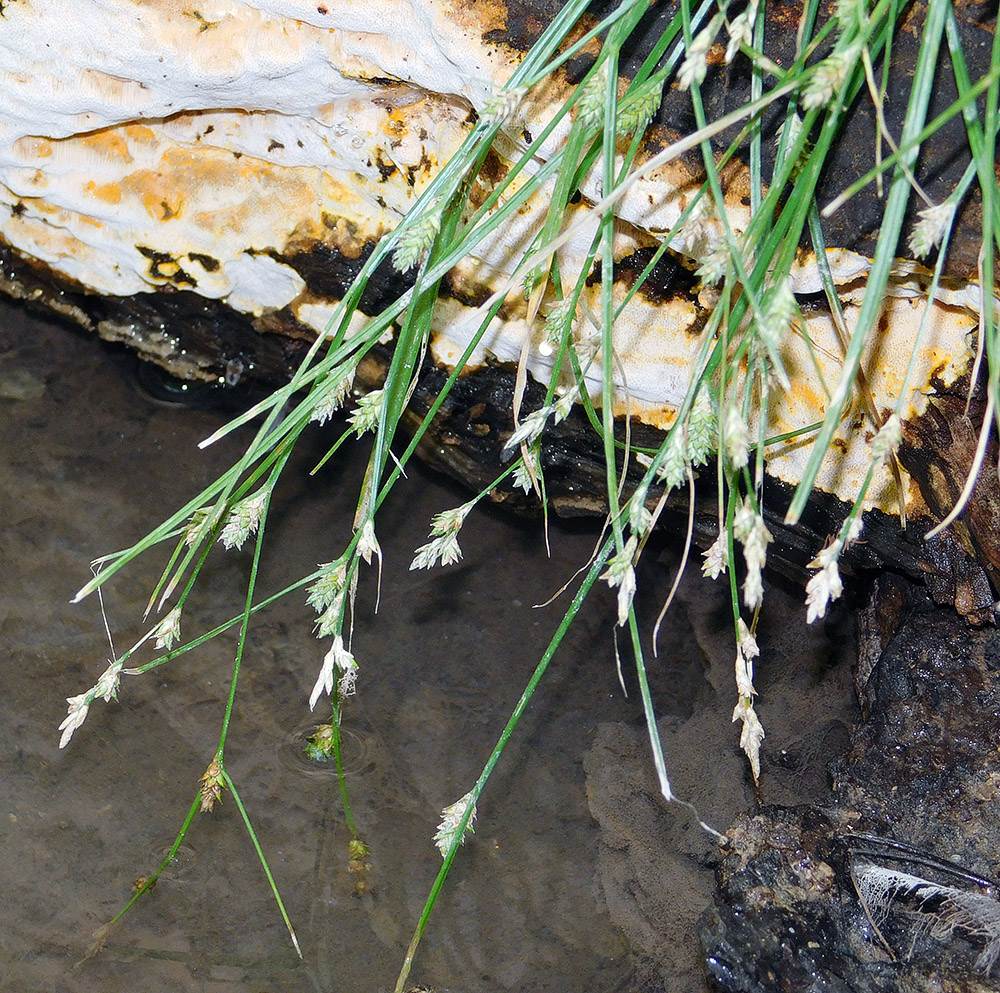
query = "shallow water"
x=578 y=876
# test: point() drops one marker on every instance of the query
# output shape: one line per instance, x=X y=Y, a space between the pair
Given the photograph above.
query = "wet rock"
x=777 y=920
x=656 y=865
x=921 y=771
x=923 y=763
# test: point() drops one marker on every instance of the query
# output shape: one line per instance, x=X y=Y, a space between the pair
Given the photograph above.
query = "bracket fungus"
x=165 y=168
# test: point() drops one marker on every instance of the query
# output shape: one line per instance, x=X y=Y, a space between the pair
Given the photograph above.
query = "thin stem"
x=339 y=762
x=150 y=881
x=529 y=690
x=263 y=861
x=248 y=607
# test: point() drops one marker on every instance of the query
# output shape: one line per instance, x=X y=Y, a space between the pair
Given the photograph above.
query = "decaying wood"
x=466 y=442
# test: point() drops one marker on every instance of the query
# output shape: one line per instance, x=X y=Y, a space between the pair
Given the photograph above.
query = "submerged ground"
x=578 y=876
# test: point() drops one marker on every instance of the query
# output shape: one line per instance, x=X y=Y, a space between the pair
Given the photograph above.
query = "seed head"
x=366 y=415
x=639 y=516
x=367 y=542
x=337 y=660
x=329 y=586
x=888 y=438
x=562 y=406
x=826 y=585
x=244 y=519
x=451 y=820
x=523 y=473
x=621 y=574
x=778 y=312
x=702 y=427
x=555 y=322
x=331 y=620
x=333 y=401
x=444 y=549
x=714 y=265
x=736 y=438
x=695 y=66
x=752 y=734
x=931 y=228
x=79 y=706
x=741 y=29
x=500 y=107
x=636 y=112
x=823 y=587
x=827 y=79
x=716 y=557
x=747 y=643
x=451 y=521
x=417 y=239
x=850 y=15
x=212 y=785
x=673 y=469
x=749 y=528
x=168 y=630
x=530 y=428
x=590 y=106
x=200 y=523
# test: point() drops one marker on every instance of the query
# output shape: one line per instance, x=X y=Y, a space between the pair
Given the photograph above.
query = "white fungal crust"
x=940 y=909
x=155 y=144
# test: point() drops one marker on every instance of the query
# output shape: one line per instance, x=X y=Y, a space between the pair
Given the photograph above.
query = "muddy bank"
x=579 y=875
x=656 y=865
x=90 y=463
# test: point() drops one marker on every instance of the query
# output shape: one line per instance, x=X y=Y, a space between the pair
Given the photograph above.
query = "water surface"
x=578 y=876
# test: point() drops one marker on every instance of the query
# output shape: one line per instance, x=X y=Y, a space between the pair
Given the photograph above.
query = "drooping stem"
x=263 y=861
x=581 y=594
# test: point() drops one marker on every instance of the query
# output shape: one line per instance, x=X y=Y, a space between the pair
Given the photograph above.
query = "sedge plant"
x=736 y=373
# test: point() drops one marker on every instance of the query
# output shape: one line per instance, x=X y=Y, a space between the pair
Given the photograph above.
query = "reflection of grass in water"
x=735 y=376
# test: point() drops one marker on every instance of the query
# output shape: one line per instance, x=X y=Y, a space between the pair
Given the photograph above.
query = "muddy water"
x=578 y=876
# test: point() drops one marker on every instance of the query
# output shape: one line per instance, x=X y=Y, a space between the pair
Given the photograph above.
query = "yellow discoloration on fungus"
x=110 y=193
x=346 y=112
x=110 y=143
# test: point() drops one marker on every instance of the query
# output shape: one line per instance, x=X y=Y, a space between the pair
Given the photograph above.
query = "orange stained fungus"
x=108 y=192
x=33 y=148
x=108 y=143
x=396 y=125
x=804 y=396
x=162 y=206
x=140 y=133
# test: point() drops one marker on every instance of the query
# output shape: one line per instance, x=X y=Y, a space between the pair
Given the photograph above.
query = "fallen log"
x=205 y=185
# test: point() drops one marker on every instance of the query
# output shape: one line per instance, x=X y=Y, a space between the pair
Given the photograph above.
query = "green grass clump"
x=737 y=372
